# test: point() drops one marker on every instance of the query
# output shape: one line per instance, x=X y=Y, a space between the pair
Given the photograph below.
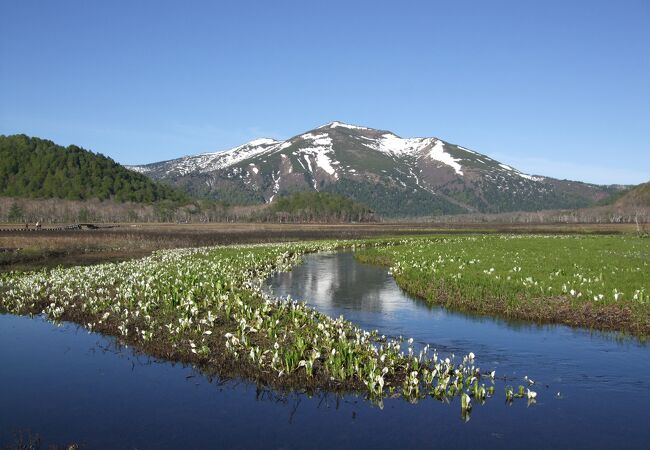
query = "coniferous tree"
x=37 y=168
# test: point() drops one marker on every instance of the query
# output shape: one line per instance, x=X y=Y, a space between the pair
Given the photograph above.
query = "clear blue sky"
x=560 y=88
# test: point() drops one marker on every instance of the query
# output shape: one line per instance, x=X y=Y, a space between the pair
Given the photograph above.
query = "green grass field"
x=600 y=282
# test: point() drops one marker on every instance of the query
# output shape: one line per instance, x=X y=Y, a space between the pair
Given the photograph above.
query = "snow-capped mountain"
x=396 y=176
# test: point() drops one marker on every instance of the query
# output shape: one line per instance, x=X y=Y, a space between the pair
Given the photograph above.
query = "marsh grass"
x=598 y=282
x=206 y=307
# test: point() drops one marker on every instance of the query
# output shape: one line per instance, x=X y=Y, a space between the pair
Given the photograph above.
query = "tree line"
x=308 y=207
x=37 y=168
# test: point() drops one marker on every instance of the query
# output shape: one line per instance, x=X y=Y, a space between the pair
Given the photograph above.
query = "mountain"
x=392 y=175
x=38 y=168
x=639 y=196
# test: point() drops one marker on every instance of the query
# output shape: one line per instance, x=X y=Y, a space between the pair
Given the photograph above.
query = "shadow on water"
x=68 y=385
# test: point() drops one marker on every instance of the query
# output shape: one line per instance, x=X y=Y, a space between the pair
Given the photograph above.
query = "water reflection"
x=334 y=282
x=559 y=356
x=68 y=385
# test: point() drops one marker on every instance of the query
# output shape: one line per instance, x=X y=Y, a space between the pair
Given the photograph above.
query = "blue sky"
x=559 y=88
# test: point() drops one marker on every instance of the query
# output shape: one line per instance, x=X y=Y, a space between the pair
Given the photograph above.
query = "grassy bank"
x=598 y=282
x=206 y=307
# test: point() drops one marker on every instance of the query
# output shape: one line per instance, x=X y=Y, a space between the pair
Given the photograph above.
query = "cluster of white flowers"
x=531 y=266
x=179 y=297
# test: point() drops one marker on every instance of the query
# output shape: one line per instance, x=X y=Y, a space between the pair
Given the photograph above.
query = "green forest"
x=37 y=168
x=318 y=207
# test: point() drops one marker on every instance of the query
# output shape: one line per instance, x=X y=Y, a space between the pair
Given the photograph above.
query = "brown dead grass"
x=26 y=250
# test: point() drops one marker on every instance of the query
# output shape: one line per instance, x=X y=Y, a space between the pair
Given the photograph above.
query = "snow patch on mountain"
x=521 y=174
x=139 y=169
x=396 y=146
x=325 y=163
x=467 y=150
x=262 y=141
x=208 y=162
x=276 y=184
x=320 y=150
x=438 y=154
x=317 y=153
x=336 y=124
x=318 y=139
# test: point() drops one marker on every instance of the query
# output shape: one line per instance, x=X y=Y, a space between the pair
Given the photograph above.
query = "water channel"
x=67 y=385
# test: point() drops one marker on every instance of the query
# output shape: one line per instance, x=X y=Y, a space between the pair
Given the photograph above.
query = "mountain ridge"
x=420 y=176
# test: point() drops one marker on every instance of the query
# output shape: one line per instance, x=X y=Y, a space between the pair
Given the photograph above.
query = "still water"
x=67 y=385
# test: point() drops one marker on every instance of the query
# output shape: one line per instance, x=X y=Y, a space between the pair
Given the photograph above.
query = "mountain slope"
x=38 y=168
x=637 y=196
x=394 y=176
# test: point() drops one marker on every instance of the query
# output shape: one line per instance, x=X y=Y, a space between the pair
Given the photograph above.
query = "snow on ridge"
x=521 y=174
x=530 y=177
x=139 y=169
x=466 y=149
x=438 y=154
x=285 y=144
x=262 y=141
x=208 y=162
x=315 y=148
x=336 y=124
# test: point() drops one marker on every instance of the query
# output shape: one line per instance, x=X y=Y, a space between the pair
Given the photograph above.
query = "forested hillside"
x=638 y=196
x=37 y=168
x=318 y=207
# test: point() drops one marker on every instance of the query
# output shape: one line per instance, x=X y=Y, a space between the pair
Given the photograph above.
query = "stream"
x=67 y=385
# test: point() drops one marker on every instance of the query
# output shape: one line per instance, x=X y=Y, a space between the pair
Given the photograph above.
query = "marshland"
x=490 y=336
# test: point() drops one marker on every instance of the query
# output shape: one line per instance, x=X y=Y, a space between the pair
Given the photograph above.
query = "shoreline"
x=228 y=327
x=625 y=318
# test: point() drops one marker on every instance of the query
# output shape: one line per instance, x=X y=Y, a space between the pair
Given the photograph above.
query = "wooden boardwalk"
x=72 y=227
